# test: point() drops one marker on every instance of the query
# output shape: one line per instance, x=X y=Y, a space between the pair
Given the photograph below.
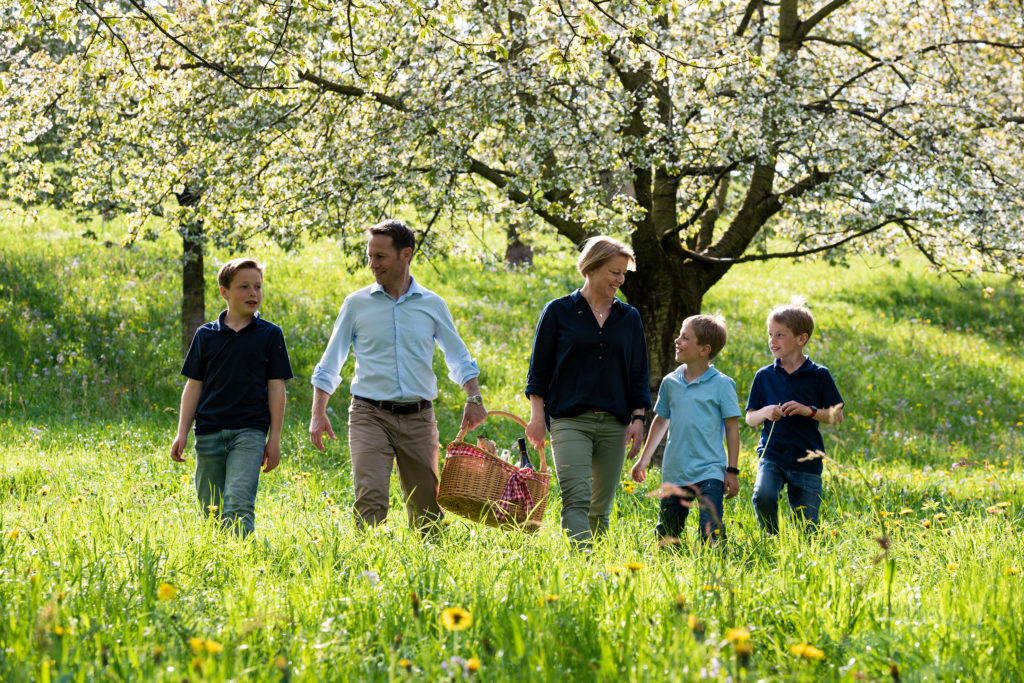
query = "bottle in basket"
x=524 y=459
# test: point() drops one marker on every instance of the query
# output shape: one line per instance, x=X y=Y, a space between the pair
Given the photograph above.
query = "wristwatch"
x=732 y=470
x=478 y=399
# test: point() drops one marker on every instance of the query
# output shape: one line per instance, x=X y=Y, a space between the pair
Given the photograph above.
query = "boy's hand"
x=732 y=485
x=639 y=471
x=271 y=456
x=795 y=408
x=178 y=448
x=318 y=425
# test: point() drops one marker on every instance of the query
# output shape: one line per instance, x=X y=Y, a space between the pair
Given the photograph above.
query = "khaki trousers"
x=377 y=438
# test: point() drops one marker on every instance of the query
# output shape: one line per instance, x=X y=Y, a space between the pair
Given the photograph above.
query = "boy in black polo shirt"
x=788 y=399
x=236 y=369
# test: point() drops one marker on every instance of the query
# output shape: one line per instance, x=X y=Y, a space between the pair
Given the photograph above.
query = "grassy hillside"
x=916 y=569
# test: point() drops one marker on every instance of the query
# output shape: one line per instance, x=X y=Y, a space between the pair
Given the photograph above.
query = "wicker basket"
x=485 y=488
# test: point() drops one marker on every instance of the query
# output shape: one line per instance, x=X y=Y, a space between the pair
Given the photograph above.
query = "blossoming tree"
x=696 y=130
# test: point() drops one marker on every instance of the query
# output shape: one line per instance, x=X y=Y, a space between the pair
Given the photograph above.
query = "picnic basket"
x=484 y=488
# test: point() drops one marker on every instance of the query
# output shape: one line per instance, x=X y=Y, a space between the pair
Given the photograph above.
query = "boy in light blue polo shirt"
x=697 y=406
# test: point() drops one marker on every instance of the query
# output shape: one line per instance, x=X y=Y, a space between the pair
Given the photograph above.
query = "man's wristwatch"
x=478 y=399
x=732 y=470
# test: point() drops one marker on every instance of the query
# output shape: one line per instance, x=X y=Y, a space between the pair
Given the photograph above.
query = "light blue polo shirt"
x=696 y=411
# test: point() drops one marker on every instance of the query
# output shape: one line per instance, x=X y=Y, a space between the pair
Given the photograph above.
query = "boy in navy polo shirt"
x=697 y=406
x=236 y=369
x=788 y=399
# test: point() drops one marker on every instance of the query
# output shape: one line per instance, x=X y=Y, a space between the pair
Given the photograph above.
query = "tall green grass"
x=914 y=571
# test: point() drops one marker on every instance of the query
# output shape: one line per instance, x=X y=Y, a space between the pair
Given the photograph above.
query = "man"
x=391 y=327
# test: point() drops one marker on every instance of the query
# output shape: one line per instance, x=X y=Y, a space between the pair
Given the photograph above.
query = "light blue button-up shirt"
x=393 y=342
x=696 y=412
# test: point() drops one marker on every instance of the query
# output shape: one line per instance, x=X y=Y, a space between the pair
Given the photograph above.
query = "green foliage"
x=913 y=568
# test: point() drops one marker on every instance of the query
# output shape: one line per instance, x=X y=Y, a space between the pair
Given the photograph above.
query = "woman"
x=588 y=381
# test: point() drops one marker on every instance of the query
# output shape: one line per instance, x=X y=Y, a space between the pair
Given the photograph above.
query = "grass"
x=915 y=573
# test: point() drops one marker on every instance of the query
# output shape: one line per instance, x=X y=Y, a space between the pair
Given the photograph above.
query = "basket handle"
x=543 y=461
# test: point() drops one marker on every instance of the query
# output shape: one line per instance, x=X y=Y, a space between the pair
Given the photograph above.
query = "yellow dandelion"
x=940 y=516
x=329 y=500
x=59 y=630
x=404 y=663
x=628 y=486
x=693 y=623
x=212 y=508
x=184 y=478
x=196 y=644
x=281 y=662
x=472 y=664
x=1011 y=571
x=994 y=510
x=708 y=587
x=45 y=491
x=213 y=647
x=680 y=601
x=906 y=511
x=634 y=566
x=616 y=569
x=806 y=651
x=551 y=597
x=743 y=649
x=166 y=592
x=952 y=566
x=13 y=534
x=1003 y=505
x=456 y=619
x=926 y=523
x=737 y=635
x=157 y=651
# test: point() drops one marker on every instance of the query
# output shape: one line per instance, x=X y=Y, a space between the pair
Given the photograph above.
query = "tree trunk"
x=517 y=253
x=193 y=286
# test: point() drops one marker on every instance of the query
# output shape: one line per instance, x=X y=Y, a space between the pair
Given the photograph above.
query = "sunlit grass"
x=107 y=571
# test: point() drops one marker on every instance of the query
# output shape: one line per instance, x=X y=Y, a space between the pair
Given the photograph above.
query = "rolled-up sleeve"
x=543 y=354
x=327 y=373
x=461 y=366
x=639 y=369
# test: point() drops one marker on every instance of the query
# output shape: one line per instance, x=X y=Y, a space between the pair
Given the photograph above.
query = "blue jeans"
x=227 y=475
x=589 y=450
x=675 y=509
x=802 y=488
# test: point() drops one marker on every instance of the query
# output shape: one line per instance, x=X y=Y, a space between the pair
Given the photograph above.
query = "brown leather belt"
x=396 y=408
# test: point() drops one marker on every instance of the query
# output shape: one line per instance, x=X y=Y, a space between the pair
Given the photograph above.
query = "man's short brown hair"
x=226 y=274
x=710 y=330
x=400 y=234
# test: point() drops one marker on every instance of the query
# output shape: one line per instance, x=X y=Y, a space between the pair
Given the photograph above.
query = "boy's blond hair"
x=599 y=250
x=795 y=315
x=227 y=272
x=710 y=330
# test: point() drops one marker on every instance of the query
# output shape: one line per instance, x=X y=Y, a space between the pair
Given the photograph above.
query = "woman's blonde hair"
x=599 y=250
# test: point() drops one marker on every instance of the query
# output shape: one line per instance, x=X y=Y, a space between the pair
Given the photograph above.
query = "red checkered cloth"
x=515 y=491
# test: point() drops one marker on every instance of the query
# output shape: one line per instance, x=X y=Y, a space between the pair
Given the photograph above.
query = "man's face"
x=389 y=265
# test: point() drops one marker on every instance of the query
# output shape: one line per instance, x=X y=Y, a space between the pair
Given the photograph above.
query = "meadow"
x=107 y=572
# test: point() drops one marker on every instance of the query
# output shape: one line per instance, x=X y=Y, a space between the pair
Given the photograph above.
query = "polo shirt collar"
x=804 y=367
x=709 y=374
x=414 y=289
x=220 y=326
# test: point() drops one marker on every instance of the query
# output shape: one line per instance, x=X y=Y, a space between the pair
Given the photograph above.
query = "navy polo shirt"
x=578 y=365
x=792 y=437
x=234 y=368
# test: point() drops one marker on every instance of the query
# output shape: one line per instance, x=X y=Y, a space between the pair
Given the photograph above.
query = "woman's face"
x=606 y=279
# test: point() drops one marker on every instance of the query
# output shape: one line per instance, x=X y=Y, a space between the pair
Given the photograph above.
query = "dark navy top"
x=234 y=368
x=577 y=365
x=792 y=437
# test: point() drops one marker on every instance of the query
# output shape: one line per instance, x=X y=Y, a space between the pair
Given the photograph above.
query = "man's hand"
x=473 y=415
x=318 y=425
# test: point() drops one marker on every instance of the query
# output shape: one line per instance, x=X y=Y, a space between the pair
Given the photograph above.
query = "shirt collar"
x=577 y=297
x=221 y=326
x=804 y=367
x=414 y=289
x=709 y=374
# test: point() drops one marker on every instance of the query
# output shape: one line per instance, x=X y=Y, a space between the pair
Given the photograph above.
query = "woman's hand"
x=634 y=437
